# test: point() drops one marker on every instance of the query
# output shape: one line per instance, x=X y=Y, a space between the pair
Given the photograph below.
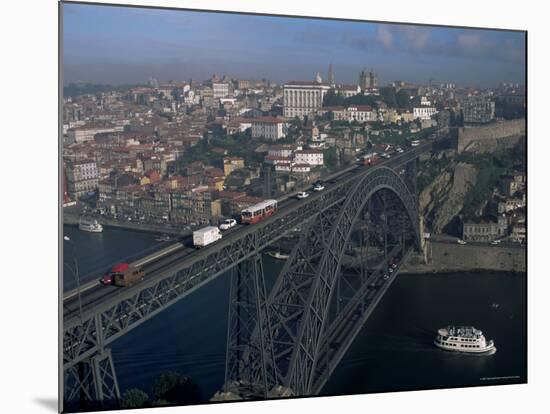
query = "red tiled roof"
x=267 y=120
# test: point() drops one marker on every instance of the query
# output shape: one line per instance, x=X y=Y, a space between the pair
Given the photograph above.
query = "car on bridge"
x=301 y=195
x=460 y=241
x=227 y=224
x=318 y=186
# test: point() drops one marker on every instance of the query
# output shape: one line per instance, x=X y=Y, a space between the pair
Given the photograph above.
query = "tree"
x=176 y=388
x=330 y=157
x=360 y=99
x=403 y=99
x=135 y=398
x=333 y=99
x=388 y=96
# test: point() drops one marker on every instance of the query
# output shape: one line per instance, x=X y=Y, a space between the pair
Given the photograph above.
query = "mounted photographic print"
x=262 y=207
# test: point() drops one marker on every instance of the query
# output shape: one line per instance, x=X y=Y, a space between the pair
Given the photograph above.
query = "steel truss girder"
x=302 y=336
x=344 y=328
x=140 y=302
x=249 y=357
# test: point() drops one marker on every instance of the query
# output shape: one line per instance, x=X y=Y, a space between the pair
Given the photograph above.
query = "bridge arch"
x=301 y=373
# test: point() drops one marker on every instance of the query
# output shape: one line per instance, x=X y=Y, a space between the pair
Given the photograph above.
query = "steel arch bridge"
x=288 y=339
x=291 y=342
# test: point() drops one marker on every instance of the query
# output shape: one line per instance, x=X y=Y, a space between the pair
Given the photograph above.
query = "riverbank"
x=73 y=219
x=450 y=257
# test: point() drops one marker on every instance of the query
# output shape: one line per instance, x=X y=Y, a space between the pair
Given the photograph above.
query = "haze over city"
x=127 y=45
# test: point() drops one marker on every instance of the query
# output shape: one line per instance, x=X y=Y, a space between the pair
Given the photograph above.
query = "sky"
x=114 y=45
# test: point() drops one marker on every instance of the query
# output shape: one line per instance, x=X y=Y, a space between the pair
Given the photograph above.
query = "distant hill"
x=80 y=88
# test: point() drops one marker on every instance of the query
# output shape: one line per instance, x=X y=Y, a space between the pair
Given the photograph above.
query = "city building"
x=348 y=90
x=309 y=156
x=359 y=113
x=220 y=90
x=87 y=133
x=519 y=233
x=478 y=110
x=511 y=204
x=510 y=184
x=485 y=230
x=302 y=98
x=82 y=178
x=367 y=80
x=231 y=164
x=282 y=151
x=268 y=127
x=424 y=112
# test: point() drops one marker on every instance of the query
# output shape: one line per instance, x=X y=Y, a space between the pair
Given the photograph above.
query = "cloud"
x=415 y=36
x=473 y=44
x=385 y=36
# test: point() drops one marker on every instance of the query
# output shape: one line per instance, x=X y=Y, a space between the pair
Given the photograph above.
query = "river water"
x=392 y=352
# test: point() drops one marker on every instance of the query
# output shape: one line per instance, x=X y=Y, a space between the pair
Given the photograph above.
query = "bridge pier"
x=92 y=383
x=249 y=356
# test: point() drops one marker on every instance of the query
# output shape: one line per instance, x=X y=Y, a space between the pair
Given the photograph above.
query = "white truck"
x=205 y=236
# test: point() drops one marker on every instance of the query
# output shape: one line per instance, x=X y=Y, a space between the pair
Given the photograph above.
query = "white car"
x=301 y=195
x=460 y=241
x=318 y=187
x=227 y=224
x=496 y=241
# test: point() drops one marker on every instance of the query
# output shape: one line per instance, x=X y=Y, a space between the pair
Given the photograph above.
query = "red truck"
x=123 y=274
x=371 y=159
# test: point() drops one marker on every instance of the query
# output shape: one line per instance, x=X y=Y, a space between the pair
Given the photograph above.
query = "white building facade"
x=83 y=134
x=82 y=177
x=310 y=157
x=303 y=98
x=220 y=90
x=359 y=113
x=424 y=112
x=268 y=127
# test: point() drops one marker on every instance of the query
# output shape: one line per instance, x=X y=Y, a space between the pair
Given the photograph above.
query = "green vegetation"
x=330 y=158
x=363 y=100
x=388 y=95
x=238 y=145
x=487 y=179
x=176 y=388
x=135 y=398
x=491 y=168
x=333 y=99
x=170 y=388
x=392 y=136
x=403 y=99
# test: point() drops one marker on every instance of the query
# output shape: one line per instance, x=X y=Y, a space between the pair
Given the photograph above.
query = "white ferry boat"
x=278 y=255
x=463 y=339
x=90 y=225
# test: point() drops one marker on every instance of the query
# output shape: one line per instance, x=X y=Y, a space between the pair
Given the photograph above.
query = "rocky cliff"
x=443 y=198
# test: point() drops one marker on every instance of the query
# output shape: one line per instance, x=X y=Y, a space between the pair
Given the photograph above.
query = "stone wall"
x=450 y=257
x=499 y=135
